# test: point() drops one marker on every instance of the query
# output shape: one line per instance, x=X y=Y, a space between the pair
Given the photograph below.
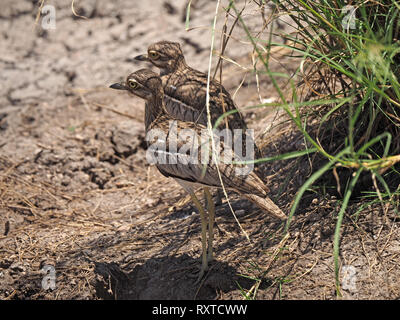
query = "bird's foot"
x=200 y=277
x=201 y=273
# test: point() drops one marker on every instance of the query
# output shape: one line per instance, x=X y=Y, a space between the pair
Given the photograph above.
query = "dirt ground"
x=77 y=194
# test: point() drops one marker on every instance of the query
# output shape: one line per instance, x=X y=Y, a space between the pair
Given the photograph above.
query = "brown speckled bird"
x=185 y=88
x=191 y=174
x=185 y=93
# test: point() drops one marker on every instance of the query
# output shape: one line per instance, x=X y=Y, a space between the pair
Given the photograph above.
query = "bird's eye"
x=133 y=84
x=154 y=54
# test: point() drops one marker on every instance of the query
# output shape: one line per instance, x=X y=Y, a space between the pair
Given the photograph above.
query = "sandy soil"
x=77 y=194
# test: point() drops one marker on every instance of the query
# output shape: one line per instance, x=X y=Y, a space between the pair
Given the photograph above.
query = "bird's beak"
x=118 y=86
x=142 y=57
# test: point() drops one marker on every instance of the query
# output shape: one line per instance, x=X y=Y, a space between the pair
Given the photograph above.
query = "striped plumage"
x=185 y=88
x=185 y=91
x=148 y=85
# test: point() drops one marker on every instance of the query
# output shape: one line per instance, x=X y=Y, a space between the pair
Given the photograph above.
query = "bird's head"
x=165 y=55
x=143 y=83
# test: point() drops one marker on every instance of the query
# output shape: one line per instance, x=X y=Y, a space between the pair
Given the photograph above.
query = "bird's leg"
x=211 y=219
x=204 y=264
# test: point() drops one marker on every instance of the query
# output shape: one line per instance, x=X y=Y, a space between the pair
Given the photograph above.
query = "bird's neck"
x=179 y=65
x=157 y=105
x=182 y=63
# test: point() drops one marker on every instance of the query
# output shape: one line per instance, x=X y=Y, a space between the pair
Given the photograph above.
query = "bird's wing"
x=188 y=90
x=183 y=150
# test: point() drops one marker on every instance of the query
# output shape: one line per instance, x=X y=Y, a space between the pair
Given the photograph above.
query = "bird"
x=185 y=95
x=185 y=156
x=185 y=90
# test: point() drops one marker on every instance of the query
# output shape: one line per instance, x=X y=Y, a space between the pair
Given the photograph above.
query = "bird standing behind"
x=185 y=88
x=192 y=167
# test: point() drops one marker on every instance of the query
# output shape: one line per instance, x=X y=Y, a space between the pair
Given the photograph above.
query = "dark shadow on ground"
x=172 y=278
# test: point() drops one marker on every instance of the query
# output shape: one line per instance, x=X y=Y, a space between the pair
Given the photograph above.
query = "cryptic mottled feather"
x=249 y=185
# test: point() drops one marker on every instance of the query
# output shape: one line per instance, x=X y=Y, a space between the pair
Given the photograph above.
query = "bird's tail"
x=267 y=205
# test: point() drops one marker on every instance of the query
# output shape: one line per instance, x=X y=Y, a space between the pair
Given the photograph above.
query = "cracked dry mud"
x=76 y=191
